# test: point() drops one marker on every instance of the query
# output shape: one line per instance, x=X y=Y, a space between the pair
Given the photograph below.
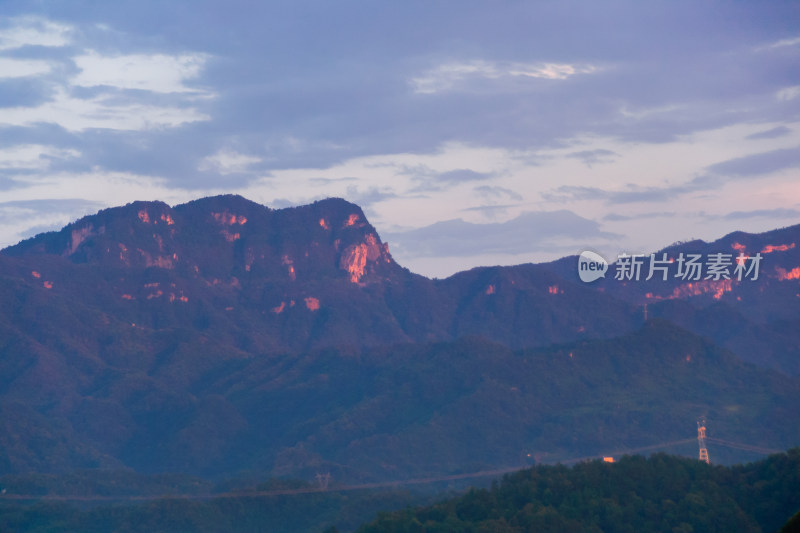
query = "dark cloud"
x=462 y=175
x=328 y=181
x=22 y=92
x=54 y=205
x=494 y=193
x=310 y=84
x=369 y=196
x=428 y=179
x=529 y=232
x=751 y=166
x=337 y=78
x=592 y=157
x=757 y=164
x=634 y=194
x=780 y=213
x=617 y=217
x=774 y=133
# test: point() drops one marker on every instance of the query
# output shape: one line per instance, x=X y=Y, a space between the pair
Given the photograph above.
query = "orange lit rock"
x=355 y=257
x=324 y=224
x=127 y=297
x=228 y=219
x=351 y=220
x=230 y=237
x=354 y=261
x=48 y=284
x=35 y=274
x=312 y=303
x=144 y=216
x=552 y=289
x=168 y=219
x=738 y=247
x=777 y=248
x=784 y=275
x=490 y=289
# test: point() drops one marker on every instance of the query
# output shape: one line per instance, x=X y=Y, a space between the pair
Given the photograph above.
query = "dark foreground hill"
x=662 y=493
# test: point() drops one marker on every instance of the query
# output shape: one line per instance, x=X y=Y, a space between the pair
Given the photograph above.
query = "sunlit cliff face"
x=355 y=258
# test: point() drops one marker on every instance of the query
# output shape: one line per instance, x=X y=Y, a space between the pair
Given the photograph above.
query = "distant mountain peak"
x=223 y=236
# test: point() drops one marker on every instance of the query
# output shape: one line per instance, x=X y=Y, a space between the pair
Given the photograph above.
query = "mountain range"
x=220 y=336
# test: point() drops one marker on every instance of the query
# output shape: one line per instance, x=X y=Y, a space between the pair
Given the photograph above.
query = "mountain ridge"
x=221 y=335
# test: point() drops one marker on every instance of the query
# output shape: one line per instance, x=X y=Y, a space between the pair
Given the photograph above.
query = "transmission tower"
x=701 y=440
x=323 y=480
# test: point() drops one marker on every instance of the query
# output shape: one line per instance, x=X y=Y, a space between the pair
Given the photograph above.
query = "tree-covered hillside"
x=636 y=495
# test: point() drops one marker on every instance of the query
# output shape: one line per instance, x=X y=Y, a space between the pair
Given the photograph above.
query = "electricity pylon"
x=701 y=440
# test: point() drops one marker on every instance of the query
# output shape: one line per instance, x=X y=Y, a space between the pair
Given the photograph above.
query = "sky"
x=471 y=133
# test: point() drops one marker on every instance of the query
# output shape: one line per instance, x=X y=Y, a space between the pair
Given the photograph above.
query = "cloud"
x=778 y=213
x=22 y=68
x=102 y=111
x=591 y=157
x=32 y=156
x=461 y=175
x=632 y=194
x=783 y=43
x=494 y=193
x=757 y=164
x=449 y=76
x=329 y=181
x=366 y=198
x=81 y=89
x=617 y=217
x=48 y=205
x=774 y=133
x=529 y=232
x=428 y=179
x=788 y=93
x=49 y=213
x=158 y=73
x=228 y=162
x=33 y=31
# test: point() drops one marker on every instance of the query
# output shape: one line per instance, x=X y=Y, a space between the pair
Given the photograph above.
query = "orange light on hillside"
x=777 y=248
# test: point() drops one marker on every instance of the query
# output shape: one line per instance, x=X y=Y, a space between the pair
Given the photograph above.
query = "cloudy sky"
x=470 y=132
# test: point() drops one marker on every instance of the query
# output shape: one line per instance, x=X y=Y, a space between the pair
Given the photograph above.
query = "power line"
x=366 y=486
x=740 y=446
